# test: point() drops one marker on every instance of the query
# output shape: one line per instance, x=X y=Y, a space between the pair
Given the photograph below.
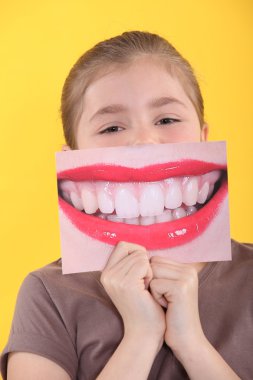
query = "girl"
x=138 y=319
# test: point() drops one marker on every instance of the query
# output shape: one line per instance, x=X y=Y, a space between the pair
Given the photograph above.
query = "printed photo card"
x=170 y=198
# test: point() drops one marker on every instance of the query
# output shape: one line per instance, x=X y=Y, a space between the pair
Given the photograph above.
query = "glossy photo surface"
x=170 y=198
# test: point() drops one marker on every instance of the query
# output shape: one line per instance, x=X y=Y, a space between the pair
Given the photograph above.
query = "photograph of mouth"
x=170 y=198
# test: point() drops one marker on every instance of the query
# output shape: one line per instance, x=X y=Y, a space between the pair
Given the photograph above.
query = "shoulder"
x=242 y=256
x=62 y=295
x=48 y=309
x=228 y=285
x=49 y=281
x=46 y=295
x=236 y=274
x=241 y=251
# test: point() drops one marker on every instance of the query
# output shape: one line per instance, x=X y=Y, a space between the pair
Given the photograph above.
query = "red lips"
x=155 y=236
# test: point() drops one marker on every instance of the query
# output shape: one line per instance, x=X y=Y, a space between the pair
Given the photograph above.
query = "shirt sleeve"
x=37 y=327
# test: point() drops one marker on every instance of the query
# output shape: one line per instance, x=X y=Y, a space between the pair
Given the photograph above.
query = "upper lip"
x=110 y=172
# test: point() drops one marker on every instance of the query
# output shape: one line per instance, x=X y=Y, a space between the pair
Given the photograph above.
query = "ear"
x=204 y=132
x=65 y=147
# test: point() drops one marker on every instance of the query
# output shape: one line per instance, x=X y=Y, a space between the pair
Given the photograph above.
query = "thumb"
x=157 y=291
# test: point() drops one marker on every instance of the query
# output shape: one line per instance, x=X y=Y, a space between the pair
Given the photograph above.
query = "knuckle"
x=139 y=256
x=121 y=244
x=141 y=248
x=142 y=254
x=122 y=286
x=142 y=261
x=134 y=255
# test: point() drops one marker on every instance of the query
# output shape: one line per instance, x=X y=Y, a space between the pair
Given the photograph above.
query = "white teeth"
x=178 y=213
x=101 y=216
x=191 y=210
x=141 y=203
x=132 y=220
x=166 y=216
x=104 y=197
x=210 y=192
x=126 y=204
x=203 y=192
x=68 y=186
x=173 y=195
x=114 y=218
x=151 y=200
x=190 y=190
x=211 y=177
x=89 y=200
x=145 y=221
x=66 y=196
x=77 y=203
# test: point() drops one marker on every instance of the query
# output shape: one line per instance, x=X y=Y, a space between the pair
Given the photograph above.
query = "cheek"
x=182 y=133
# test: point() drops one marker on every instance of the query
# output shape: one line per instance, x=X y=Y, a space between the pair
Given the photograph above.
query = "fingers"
x=127 y=264
x=163 y=268
x=165 y=271
x=121 y=250
x=173 y=288
x=143 y=271
x=160 y=286
x=157 y=292
x=172 y=280
x=164 y=260
x=162 y=290
x=135 y=265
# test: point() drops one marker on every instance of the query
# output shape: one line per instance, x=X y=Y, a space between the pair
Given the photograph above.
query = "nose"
x=145 y=136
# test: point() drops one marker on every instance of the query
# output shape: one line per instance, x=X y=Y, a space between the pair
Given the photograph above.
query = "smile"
x=158 y=206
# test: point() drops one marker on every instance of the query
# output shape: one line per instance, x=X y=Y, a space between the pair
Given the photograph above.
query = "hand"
x=175 y=286
x=126 y=278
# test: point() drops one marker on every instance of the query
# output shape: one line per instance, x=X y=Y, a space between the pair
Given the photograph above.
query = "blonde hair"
x=122 y=50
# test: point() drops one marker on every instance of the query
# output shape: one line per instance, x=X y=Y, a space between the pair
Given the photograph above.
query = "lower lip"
x=154 y=236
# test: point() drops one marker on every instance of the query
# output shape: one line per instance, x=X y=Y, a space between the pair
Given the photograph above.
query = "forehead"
x=134 y=83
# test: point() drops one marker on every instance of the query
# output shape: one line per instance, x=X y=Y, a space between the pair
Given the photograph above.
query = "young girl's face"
x=140 y=104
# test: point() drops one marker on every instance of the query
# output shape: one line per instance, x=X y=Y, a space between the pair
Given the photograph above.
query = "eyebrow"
x=154 y=103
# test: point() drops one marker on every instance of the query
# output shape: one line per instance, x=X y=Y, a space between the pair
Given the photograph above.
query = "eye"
x=112 y=129
x=169 y=120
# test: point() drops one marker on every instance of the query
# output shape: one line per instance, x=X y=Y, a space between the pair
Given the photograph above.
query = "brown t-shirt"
x=71 y=320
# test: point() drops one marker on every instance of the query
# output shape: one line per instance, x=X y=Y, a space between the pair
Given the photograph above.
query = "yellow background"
x=40 y=41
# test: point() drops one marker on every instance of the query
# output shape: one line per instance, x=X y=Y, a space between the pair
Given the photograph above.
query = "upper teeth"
x=148 y=199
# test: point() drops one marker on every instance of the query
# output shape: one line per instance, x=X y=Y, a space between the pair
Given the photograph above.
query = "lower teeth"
x=147 y=220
